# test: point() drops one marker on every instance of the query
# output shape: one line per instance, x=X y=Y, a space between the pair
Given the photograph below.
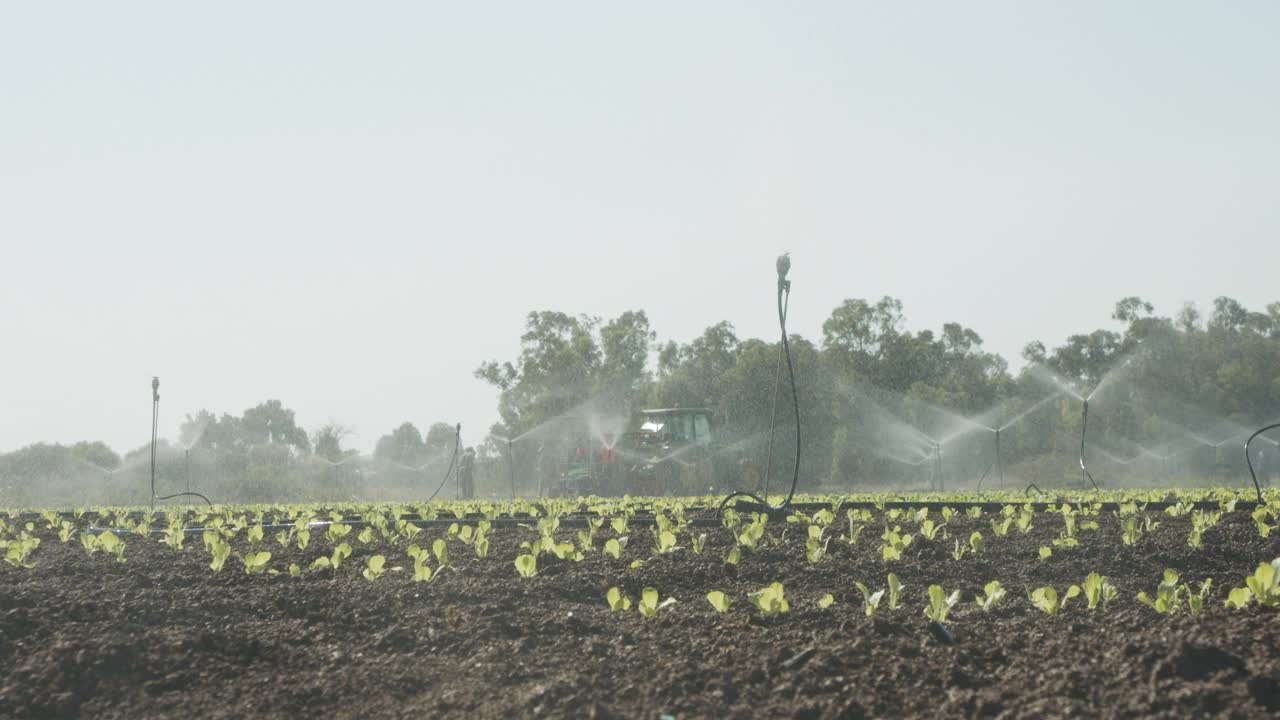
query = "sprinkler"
x=995 y=463
x=936 y=482
x=453 y=459
x=1084 y=427
x=783 y=266
x=511 y=468
x=1248 y=459
x=155 y=419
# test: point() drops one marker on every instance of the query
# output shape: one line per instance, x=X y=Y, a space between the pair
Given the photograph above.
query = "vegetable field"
x=1097 y=604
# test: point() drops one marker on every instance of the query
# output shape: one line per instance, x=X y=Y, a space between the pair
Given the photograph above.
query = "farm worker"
x=466 y=474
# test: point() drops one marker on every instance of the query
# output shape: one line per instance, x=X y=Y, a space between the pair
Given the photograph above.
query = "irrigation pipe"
x=1248 y=459
x=457 y=440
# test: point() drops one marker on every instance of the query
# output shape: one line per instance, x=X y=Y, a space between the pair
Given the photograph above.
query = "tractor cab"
x=668 y=452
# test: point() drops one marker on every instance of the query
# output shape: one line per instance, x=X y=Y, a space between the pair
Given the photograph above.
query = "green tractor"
x=660 y=452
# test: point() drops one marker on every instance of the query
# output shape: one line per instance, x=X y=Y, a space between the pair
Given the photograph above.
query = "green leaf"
x=826 y=601
x=718 y=600
x=527 y=566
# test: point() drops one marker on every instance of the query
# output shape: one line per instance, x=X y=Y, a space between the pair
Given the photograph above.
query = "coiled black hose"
x=155 y=420
x=1248 y=459
x=784 y=302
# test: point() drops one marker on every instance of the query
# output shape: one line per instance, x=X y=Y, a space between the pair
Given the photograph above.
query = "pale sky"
x=350 y=206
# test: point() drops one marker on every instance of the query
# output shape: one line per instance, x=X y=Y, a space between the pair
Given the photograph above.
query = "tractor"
x=660 y=452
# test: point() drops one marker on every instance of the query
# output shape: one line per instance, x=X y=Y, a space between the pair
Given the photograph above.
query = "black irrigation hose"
x=1084 y=427
x=457 y=440
x=784 y=302
x=155 y=419
x=1257 y=488
x=511 y=468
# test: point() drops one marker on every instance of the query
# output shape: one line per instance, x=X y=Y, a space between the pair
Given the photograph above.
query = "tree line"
x=875 y=398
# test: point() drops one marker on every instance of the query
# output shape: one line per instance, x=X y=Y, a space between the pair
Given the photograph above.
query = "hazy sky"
x=350 y=206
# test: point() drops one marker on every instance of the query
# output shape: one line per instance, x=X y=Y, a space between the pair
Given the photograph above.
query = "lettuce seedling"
x=734 y=555
x=1045 y=552
x=1001 y=529
x=254 y=535
x=340 y=553
x=613 y=548
x=1024 y=520
x=1098 y=590
x=770 y=600
x=1168 y=597
x=67 y=531
x=697 y=542
x=993 y=593
x=1132 y=531
x=374 y=567
x=929 y=530
x=649 y=602
x=940 y=603
x=1238 y=598
x=366 y=535
x=895 y=542
x=719 y=601
x=815 y=546
x=174 y=535
x=90 y=542
x=220 y=550
x=255 y=563
x=957 y=553
x=295 y=570
x=1046 y=598
x=337 y=531
x=895 y=592
x=665 y=542
x=619 y=525
x=976 y=543
x=527 y=566
x=20 y=549
x=618 y=601
x=826 y=601
x=111 y=543
x=1265 y=583
x=870 y=600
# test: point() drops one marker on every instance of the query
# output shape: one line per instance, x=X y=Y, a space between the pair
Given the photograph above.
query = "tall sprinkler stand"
x=937 y=483
x=1084 y=427
x=1249 y=459
x=783 y=266
x=155 y=418
x=995 y=463
x=999 y=460
x=511 y=468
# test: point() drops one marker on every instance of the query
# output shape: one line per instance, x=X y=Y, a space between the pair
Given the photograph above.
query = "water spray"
x=453 y=459
x=1249 y=459
x=155 y=420
x=783 y=266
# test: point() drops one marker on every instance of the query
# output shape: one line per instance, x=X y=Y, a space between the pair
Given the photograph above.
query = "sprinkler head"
x=155 y=388
x=784 y=267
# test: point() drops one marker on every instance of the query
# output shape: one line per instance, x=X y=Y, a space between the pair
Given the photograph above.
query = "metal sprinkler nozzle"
x=784 y=267
x=155 y=388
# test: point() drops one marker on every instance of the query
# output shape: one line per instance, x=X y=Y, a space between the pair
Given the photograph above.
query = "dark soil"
x=162 y=635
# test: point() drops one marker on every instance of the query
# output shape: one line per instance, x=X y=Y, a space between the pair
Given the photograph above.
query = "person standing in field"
x=466 y=474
